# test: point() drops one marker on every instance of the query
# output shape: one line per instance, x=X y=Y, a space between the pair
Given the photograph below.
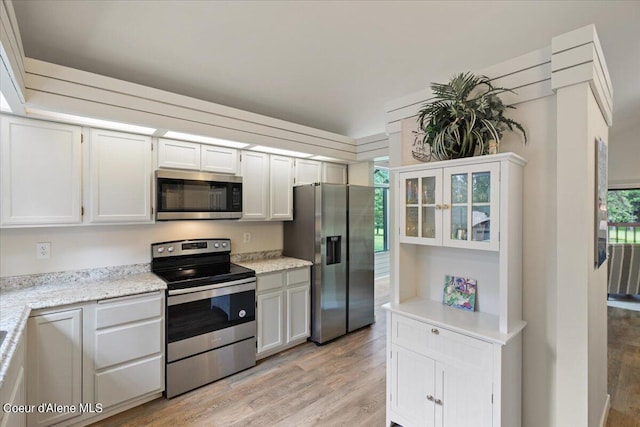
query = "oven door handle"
x=211 y=292
x=208 y=287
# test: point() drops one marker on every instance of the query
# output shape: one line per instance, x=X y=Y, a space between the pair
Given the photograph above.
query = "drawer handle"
x=438 y=402
x=435 y=331
x=430 y=398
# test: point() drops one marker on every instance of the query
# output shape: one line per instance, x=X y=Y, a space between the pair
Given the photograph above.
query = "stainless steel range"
x=210 y=312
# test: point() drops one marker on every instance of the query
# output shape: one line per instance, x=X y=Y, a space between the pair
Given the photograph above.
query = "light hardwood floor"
x=624 y=367
x=341 y=383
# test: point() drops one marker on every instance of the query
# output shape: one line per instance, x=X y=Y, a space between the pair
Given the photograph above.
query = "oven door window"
x=181 y=195
x=198 y=317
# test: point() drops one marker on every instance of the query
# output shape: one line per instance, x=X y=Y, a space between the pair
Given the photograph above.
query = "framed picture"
x=460 y=292
x=601 y=214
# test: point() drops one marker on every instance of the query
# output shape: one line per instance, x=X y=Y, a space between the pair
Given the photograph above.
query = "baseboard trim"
x=605 y=414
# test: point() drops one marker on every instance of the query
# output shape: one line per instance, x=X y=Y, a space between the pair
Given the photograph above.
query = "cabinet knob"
x=445 y=206
x=438 y=402
x=438 y=207
x=435 y=331
x=430 y=398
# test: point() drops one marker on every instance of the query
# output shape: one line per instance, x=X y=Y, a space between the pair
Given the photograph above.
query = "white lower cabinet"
x=283 y=310
x=270 y=321
x=54 y=364
x=298 y=305
x=438 y=377
x=14 y=391
x=99 y=358
x=128 y=356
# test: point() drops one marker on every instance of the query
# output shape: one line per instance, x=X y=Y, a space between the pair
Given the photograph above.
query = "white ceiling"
x=328 y=65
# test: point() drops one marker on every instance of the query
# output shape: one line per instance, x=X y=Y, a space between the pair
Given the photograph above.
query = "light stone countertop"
x=20 y=295
x=17 y=303
x=271 y=265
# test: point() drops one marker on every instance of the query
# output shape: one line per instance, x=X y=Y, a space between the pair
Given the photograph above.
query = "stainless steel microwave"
x=197 y=195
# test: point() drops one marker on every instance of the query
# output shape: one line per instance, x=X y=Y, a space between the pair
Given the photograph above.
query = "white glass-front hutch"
x=446 y=366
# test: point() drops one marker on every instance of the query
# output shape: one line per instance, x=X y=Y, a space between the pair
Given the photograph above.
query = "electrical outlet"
x=246 y=238
x=43 y=250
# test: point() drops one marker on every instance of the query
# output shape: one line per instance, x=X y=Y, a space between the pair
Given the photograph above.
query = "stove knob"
x=224 y=244
x=216 y=245
x=170 y=249
x=242 y=313
x=160 y=250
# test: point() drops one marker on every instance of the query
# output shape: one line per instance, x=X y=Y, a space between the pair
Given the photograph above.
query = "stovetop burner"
x=190 y=263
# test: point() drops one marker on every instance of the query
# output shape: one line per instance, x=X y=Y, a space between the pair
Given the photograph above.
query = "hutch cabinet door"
x=471 y=199
x=413 y=387
x=421 y=198
x=464 y=396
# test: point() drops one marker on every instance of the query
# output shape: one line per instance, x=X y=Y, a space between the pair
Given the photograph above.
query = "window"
x=624 y=215
x=381 y=208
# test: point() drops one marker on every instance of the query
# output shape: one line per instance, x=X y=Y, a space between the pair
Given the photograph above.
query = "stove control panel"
x=190 y=247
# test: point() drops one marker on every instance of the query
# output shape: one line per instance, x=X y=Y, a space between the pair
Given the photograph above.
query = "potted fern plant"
x=464 y=117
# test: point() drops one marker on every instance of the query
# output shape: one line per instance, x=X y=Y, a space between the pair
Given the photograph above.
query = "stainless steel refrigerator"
x=333 y=228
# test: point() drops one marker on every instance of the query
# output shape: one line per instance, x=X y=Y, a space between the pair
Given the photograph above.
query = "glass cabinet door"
x=411 y=206
x=421 y=220
x=471 y=206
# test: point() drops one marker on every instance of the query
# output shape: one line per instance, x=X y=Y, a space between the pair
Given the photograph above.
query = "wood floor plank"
x=624 y=367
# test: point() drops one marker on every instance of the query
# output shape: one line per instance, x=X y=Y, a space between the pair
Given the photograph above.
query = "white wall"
x=539 y=299
x=596 y=279
x=74 y=248
x=624 y=154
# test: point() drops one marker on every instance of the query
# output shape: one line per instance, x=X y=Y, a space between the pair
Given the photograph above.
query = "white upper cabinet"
x=255 y=185
x=281 y=183
x=41 y=173
x=218 y=159
x=333 y=173
x=194 y=156
x=120 y=177
x=178 y=154
x=307 y=171
x=312 y=171
x=267 y=186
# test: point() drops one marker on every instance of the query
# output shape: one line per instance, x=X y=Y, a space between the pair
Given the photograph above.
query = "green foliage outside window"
x=624 y=205
x=381 y=180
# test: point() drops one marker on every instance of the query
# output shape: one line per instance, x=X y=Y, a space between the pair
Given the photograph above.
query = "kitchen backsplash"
x=254 y=256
